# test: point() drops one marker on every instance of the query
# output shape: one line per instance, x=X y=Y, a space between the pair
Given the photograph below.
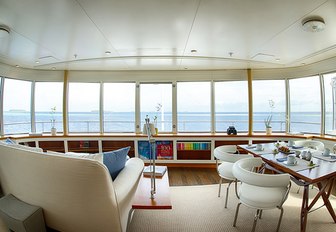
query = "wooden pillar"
x=250 y=100
x=65 y=103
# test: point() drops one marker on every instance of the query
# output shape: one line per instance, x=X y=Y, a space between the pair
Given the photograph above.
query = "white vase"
x=268 y=130
x=53 y=131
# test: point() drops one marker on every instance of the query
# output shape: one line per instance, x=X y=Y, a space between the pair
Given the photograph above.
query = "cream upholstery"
x=225 y=158
x=260 y=191
x=76 y=194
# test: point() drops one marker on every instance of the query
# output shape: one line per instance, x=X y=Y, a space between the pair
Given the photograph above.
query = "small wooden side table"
x=142 y=198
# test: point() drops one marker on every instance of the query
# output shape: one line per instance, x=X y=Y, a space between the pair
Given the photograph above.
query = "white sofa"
x=76 y=194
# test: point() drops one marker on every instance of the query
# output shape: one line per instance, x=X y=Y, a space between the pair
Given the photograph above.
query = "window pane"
x=330 y=100
x=193 y=106
x=84 y=107
x=119 y=107
x=231 y=108
x=17 y=106
x=305 y=105
x=269 y=100
x=156 y=102
x=53 y=91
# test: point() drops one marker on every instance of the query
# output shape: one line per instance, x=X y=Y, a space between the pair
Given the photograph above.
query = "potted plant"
x=268 y=126
x=53 y=129
x=268 y=120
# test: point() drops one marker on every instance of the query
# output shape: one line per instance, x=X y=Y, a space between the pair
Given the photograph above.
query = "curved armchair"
x=317 y=145
x=225 y=158
x=260 y=191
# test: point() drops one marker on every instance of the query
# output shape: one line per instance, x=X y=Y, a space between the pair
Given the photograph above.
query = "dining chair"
x=225 y=158
x=260 y=191
x=313 y=144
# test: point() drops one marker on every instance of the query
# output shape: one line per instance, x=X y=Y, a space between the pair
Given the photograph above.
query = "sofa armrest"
x=127 y=180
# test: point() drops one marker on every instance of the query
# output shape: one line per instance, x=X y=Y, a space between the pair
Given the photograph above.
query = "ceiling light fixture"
x=107 y=52
x=313 y=24
x=193 y=51
x=4 y=31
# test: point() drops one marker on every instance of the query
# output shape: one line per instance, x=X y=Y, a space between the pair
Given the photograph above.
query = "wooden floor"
x=184 y=176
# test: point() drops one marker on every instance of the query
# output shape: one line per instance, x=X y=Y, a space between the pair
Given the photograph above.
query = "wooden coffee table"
x=142 y=197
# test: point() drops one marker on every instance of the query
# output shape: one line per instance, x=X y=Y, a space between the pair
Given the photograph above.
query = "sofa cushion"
x=115 y=160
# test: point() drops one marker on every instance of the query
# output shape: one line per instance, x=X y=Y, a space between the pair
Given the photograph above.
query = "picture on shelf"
x=164 y=150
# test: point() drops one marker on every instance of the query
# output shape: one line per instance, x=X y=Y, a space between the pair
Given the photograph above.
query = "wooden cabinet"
x=110 y=145
x=232 y=142
x=84 y=146
x=57 y=146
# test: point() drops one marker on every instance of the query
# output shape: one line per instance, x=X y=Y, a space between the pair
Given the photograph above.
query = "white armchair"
x=225 y=158
x=260 y=191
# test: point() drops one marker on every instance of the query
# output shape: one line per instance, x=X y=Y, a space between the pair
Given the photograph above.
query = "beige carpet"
x=197 y=208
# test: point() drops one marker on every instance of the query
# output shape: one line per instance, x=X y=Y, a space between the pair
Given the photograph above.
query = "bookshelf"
x=164 y=150
x=194 y=150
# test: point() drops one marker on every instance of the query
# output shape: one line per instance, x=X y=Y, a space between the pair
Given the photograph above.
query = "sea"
x=301 y=122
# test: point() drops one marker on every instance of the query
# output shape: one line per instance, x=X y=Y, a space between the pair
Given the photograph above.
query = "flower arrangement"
x=158 y=109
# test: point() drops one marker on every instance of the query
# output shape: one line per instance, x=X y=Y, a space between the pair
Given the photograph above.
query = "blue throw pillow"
x=115 y=160
x=9 y=141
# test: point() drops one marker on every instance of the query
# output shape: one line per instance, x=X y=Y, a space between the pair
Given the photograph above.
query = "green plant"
x=53 y=119
x=268 y=121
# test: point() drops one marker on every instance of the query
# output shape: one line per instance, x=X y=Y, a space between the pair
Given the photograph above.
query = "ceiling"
x=162 y=34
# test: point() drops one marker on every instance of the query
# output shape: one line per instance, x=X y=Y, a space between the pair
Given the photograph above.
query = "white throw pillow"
x=96 y=156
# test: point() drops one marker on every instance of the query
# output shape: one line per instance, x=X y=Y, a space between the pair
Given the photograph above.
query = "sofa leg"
x=130 y=214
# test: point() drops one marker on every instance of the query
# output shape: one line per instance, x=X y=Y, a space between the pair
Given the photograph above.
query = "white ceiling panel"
x=160 y=34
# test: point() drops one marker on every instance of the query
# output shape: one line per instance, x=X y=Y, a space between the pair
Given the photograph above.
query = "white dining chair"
x=313 y=144
x=260 y=191
x=225 y=158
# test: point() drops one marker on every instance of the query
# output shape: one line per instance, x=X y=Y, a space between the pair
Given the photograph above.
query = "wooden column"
x=65 y=103
x=250 y=99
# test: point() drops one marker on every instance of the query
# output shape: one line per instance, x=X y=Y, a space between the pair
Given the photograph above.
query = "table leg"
x=304 y=208
x=325 y=196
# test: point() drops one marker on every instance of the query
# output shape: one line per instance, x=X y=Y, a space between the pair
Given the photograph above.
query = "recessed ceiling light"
x=53 y=68
x=17 y=66
x=185 y=68
x=4 y=31
x=313 y=24
x=37 y=62
x=107 y=52
x=277 y=59
x=193 y=51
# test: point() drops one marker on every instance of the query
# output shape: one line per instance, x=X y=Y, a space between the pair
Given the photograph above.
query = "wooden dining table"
x=321 y=173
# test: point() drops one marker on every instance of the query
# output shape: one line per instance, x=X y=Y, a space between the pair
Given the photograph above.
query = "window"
x=119 y=107
x=269 y=100
x=53 y=92
x=231 y=105
x=156 y=102
x=84 y=107
x=330 y=101
x=305 y=105
x=16 y=106
x=194 y=106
